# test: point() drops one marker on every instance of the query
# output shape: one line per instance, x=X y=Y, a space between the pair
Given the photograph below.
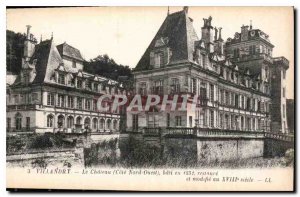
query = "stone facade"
x=234 y=80
x=52 y=92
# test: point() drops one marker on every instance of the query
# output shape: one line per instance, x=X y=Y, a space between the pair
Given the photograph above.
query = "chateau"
x=240 y=85
x=52 y=93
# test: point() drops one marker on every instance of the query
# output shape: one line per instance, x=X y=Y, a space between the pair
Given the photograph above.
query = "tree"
x=14 y=51
x=105 y=66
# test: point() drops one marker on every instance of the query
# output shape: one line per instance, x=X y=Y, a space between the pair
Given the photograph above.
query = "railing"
x=152 y=131
x=200 y=132
x=21 y=107
x=208 y=132
x=279 y=136
x=178 y=131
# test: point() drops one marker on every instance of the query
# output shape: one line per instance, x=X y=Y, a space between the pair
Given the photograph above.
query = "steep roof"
x=65 y=49
x=178 y=28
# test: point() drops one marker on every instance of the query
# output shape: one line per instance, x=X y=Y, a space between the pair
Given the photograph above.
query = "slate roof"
x=65 y=49
x=178 y=28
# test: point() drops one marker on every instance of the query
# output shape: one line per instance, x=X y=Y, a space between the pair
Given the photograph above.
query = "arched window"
x=18 y=121
x=115 y=125
x=108 y=124
x=78 y=120
x=102 y=123
x=60 y=121
x=50 y=120
x=87 y=122
x=70 y=122
x=95 y=123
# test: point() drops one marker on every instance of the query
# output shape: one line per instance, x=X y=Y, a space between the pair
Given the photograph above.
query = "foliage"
x=14 y=51
x=41 y=142
x=105 y=66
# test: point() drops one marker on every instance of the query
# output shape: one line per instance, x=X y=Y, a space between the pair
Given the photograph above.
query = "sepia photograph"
x=159 y=98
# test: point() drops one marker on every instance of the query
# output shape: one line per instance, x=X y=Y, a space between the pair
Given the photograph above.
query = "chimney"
x=28 y=31
x=250 y=24
x=29 y=44
x=244 y=33
x=186 y=9
x=208 y=34
x=220 y=34
x=216 y=33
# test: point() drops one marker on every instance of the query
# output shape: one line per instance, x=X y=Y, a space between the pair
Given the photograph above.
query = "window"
x=259 y=106
x=203 y=94
x=88 y=84
x=153 y=120
x=49 y=121
x=61 y=78
x=18 y=122
x=70 y=101
x=158 y=87
x=190 y=121
x=283 y=92
x=203 y=60
x=243 y=102
x=168 y=120
x=283 y=110
x=95 y=87
x=142 y=89
x=211 y=120
x=236 y=99
x=221 y=97
x=178 y=120
x=193 y=86
x=27 y=123
x=212 y=93
x=79 y=103
x=34 y=97
x=252 y=49
x=135 y=122
x=50 y=99
x=221 y=72
x=8 y=123
x=236 y=52
x=79 y=83
x=61 y=100
x=159 y=59
x=248 y=107
x=87 y=104
x=94 y=104
x=227 y=101
x=175 y=86
x=74 y=64
x=16 y=99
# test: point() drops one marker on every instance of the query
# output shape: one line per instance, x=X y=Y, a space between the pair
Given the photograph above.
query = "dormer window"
x=79 y=83
x=73 y=64
x=252 y=49
x=158 y=60
x=61 y=78
x=236 y=52
x=96 y=87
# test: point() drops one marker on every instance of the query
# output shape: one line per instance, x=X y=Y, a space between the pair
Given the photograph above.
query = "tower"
x=278 y=94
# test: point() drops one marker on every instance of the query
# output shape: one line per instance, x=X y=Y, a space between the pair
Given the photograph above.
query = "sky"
x=124 y=33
